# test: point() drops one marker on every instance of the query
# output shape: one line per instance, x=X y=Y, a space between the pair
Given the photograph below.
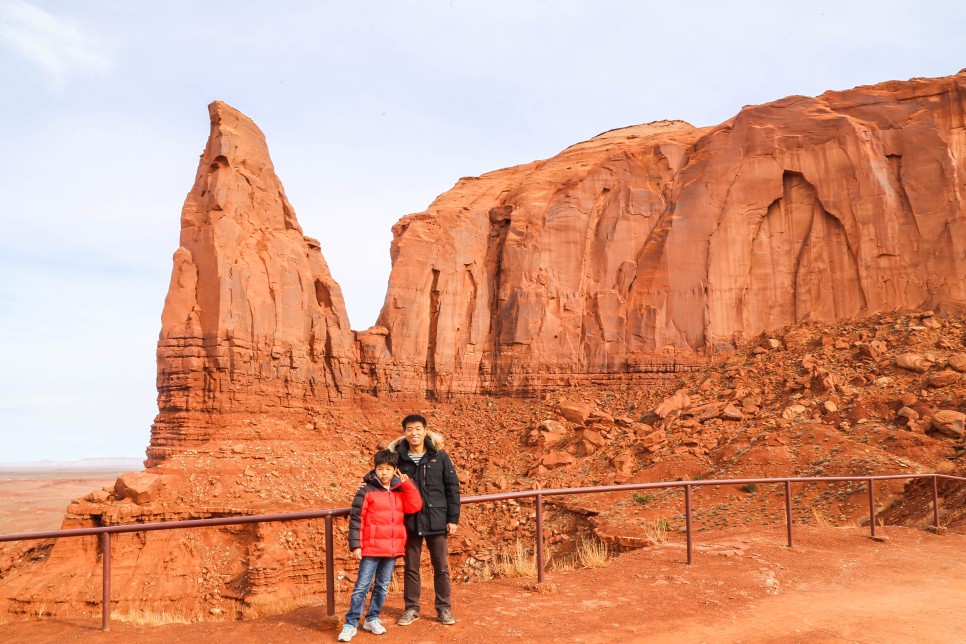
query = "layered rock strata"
x=253 y=322
x=649 y=248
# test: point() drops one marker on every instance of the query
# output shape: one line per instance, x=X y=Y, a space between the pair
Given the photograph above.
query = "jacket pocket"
x=437 y=518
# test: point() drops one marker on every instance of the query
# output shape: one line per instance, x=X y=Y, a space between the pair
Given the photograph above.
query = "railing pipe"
x=329 y=568
x=788 y=511
x=935 y=501
x=872 y=505
x=106 y=581
x=540 y=559
x=105 y=532
x=687 y=518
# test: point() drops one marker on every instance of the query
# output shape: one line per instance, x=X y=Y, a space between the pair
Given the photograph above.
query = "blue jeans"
x=380 y=569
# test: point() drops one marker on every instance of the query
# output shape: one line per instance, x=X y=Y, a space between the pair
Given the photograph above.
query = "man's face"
x=384 y=472
x=415 y=434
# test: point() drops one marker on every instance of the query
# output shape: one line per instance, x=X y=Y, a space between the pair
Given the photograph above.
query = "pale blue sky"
x=371 y=109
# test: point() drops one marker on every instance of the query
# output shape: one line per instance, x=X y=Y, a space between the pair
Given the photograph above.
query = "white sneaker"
x=348 y=631
x=374 y=626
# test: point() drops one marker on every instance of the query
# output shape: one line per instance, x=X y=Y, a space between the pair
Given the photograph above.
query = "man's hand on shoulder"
x=451 y=528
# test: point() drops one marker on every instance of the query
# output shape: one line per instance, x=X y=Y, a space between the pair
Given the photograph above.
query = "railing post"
x=872 y=505
x=788 y=510
x=329 y=568
x=106 y=581
x=935 y=501
x=540 y=561
x=687 y=518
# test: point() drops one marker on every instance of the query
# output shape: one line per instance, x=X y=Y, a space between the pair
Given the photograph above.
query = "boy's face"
x=415 y=434
x=384 y=472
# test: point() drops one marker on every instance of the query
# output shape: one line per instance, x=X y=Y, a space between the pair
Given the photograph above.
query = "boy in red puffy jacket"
x=377 y=535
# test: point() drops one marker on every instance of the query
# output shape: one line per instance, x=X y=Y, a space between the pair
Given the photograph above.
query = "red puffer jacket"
x=376 y=523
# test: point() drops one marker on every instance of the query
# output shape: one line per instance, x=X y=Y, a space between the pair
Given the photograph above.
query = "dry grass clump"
x=513 y=562
x=656 y=531
x=145 y=617
x=819 y=519
x=593 y=553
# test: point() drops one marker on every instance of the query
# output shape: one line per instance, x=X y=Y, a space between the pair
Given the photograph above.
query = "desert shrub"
x=749 y=488
x=642 y=498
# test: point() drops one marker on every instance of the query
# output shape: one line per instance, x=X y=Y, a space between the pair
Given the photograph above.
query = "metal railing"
x=105 y=532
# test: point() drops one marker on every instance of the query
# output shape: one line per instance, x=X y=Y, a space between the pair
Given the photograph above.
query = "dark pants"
x=438 y=554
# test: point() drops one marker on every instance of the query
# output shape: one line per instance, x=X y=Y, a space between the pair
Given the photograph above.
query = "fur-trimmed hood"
x=434 y=437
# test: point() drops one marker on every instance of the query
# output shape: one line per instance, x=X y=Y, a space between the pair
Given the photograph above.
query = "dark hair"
x=385 y=456
x=413 y=418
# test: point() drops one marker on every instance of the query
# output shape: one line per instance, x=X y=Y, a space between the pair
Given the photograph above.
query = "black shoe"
x=446 y=617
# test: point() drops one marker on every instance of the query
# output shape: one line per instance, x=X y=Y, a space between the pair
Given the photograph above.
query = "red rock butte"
x=642 y=252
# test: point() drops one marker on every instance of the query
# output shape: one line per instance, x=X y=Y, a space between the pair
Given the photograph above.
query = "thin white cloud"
x=57 y=45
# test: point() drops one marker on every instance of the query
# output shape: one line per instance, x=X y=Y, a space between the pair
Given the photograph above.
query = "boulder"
x=140 y=487
x=556 y=459
x=943 y=378
x=678 y=401
x=575 y=412
x=957 y=361
x=913 y=362
x=949 y=422
x=730 y=412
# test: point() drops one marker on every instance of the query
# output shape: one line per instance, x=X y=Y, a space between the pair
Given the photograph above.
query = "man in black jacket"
x=421 y=457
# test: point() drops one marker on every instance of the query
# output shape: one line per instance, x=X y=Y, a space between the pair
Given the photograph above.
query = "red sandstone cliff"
x=253 y=321
x=648 y=247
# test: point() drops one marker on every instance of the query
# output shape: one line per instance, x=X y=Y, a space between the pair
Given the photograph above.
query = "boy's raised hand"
x=357 y=553
x=402 y=477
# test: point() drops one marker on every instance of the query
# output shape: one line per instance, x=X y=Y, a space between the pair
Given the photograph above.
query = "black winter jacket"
x=438 y=484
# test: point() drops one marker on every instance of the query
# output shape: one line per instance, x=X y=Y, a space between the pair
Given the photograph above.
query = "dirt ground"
x=833 y=585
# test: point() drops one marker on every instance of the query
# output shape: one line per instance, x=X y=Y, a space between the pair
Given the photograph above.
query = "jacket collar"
x=434 y=443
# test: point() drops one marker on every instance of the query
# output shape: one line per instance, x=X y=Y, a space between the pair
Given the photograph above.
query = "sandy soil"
x=833 y=585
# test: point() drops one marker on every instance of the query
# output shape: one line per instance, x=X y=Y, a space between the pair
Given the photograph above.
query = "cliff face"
x=253 y=321
x=642 y=251
x=646 y=249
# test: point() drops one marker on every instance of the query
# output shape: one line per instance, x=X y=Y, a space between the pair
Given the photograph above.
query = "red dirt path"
x=834 y=585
